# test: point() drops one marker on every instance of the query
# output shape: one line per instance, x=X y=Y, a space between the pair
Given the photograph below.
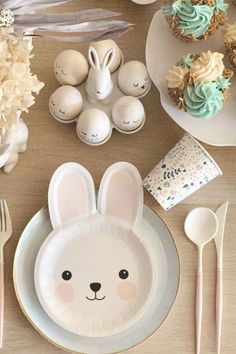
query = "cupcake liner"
x=231 y=54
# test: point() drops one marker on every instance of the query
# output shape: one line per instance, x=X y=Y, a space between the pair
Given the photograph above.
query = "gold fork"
x=5 y=234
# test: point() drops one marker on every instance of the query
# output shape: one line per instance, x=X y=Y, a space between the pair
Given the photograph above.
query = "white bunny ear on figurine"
x=121 y=194
x=71 y=194
x=4 y=154
x=93 y=58
x=109 y=58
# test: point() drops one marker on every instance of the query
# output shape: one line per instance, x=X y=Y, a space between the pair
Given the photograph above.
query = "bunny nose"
x=95 y=287
x=143 y=87
x=99 y=92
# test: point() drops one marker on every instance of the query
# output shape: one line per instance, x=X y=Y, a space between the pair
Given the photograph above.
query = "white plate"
x=163 y=50
x=166 y=255
x=95 y=301
x=144 y=2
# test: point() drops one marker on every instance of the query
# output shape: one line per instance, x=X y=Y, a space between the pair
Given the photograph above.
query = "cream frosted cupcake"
x=199 y=84
x=230 y=43
x=193 y=20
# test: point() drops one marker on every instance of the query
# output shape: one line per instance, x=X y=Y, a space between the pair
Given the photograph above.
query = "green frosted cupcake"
x=193 y=20
x=199 y=84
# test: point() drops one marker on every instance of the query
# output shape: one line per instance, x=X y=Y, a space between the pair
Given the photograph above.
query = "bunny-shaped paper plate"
x=99 y=95
x=93 y=275
x=101 y=275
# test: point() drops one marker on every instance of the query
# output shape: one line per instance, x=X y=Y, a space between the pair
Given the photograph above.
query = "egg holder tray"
x=104 y=107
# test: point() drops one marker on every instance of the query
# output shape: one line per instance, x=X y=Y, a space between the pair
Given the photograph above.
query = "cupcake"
x=193 y=20
x=230 y=43
x=199 y=84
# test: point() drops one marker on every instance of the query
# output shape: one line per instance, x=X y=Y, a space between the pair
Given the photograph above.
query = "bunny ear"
x=121 y=193
x=4 y=154
x=108 y=58
x=71 y=193
x=93 y=58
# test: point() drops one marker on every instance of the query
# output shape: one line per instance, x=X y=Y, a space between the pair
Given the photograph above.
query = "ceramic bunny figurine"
x=99 y=83
x=12 y=144
x=93 y=273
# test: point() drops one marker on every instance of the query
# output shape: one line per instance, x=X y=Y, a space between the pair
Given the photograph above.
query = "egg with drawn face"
x=65 y=104
x=71 y=67
x=133 y=79
x=128 y=113
x=93 y=126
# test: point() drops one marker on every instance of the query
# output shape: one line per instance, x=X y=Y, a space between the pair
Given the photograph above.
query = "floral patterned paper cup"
x=184 y=170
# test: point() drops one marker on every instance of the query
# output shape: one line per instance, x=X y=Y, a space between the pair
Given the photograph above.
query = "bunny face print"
x=99 y=83
x=93 y=274
x=133 y=79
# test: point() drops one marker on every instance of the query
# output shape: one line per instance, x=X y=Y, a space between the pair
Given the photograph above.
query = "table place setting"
x=202 y=225
x=100 y=238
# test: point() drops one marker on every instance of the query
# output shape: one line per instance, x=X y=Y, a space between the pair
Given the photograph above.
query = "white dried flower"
x=17 y=83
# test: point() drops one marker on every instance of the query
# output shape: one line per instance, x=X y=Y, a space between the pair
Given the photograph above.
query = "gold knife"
x=219 y=242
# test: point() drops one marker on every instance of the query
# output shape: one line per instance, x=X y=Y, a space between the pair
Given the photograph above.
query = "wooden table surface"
x=51 y=144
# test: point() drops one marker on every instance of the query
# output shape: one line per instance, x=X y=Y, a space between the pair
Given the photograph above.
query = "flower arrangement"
x=193 y=20
x=199 y=84
x=17 y=83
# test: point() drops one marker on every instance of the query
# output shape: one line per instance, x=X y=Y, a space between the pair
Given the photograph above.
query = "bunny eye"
x=135 y=85
x=123 y=274
x=54 y=104
x=66 y=275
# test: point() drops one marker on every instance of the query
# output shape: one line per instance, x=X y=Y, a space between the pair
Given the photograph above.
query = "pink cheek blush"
x=126 y=290
x=64 y=293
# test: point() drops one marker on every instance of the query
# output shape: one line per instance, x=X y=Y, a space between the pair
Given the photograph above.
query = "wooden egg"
x=71 y=67
x=93 y=126
x=133 y=79
x=128 y=113
x=102 y=48
x=65 y=104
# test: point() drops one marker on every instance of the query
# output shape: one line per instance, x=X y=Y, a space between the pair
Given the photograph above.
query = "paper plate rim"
x=35 y=216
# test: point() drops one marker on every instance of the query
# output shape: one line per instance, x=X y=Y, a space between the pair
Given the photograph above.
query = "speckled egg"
x=102 y=48
x=93 y=126
x=128 y=113
x=133 y=79
x=65 y=104
x=71 y=67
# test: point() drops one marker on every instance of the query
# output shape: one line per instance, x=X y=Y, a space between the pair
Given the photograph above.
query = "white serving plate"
x=163 y=50
x=166 y=254
x=144 y=2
